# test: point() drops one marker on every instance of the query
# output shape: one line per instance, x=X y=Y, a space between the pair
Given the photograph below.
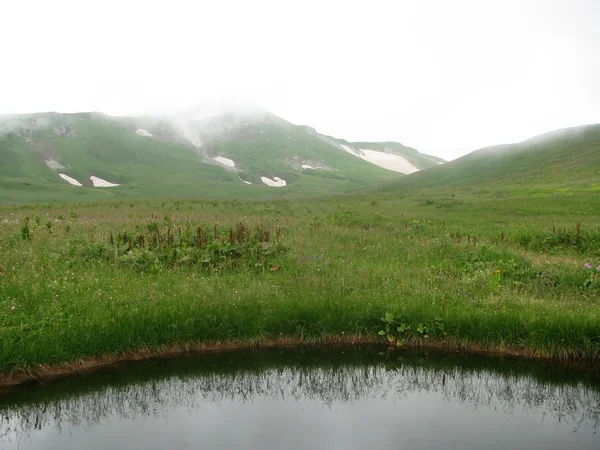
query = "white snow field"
x=99 y=182
x=388 y=161
x=225 y=161
x=275 y=182
x=72 y=181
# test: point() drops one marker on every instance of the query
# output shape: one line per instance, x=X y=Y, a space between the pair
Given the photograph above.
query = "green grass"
x=494 y=271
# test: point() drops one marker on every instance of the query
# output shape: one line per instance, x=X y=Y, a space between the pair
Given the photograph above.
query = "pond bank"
x=49 y=372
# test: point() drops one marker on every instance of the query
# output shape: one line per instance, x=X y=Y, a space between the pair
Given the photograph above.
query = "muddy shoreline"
x=49 y=372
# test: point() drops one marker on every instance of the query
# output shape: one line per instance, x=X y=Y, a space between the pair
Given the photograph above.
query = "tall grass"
x=109 y=277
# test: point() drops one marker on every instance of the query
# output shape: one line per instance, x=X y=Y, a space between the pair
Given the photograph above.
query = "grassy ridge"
x=475 y=269
x=559 y=161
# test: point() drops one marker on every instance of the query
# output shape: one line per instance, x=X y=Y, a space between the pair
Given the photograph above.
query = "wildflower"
x=588 y=266
x=598 y=269
x=13 y=308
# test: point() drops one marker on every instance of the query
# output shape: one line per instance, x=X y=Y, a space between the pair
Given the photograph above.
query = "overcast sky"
x=446 y=77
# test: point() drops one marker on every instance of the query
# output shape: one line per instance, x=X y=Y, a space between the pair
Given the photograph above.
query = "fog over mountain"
x=442 y=77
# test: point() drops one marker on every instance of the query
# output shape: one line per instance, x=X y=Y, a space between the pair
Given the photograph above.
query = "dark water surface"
x=345 y=398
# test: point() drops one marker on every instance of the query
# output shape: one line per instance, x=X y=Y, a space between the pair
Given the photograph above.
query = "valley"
x=501 y=258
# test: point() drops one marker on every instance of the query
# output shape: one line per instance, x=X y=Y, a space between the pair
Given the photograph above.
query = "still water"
x=342 y=398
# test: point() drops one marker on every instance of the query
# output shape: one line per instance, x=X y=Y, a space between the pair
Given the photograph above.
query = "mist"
x=443 y=78
x=17 y=122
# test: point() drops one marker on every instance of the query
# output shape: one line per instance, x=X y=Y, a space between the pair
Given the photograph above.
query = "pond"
x=311 y=398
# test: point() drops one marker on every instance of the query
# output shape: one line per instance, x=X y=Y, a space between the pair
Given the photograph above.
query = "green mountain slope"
x=250 y=155
x=562 y=159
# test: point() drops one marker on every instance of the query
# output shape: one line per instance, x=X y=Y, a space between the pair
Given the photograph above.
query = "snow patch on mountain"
x=349 y=150
x=388 y=161
x=143 y=132
x=225 y=161
x=99 y=182
x=275 y=182
x=70 y=180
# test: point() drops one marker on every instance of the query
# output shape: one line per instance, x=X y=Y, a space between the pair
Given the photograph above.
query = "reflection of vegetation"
x=327 y=376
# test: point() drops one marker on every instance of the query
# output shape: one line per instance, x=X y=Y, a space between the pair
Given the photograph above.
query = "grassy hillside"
x=274 y=147
x=562 y=160
x=94 y=145
x=175 y=157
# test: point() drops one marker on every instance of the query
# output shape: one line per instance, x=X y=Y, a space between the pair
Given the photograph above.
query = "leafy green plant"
x=422 y=329
x=397 y=331
x=26 y=234
x=440 y=326
x=394 y=330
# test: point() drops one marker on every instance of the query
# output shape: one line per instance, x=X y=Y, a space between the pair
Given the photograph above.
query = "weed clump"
x=559 y=240
x=166 y=246
x=26 y=234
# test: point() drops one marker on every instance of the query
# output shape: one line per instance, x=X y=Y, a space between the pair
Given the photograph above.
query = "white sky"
x=446 y=77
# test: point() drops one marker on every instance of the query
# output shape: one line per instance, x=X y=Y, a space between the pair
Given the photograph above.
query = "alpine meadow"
x=189 y=246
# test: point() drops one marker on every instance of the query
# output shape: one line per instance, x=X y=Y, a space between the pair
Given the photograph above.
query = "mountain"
x=252 y=154
x=562 y=159
x=389 y=155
